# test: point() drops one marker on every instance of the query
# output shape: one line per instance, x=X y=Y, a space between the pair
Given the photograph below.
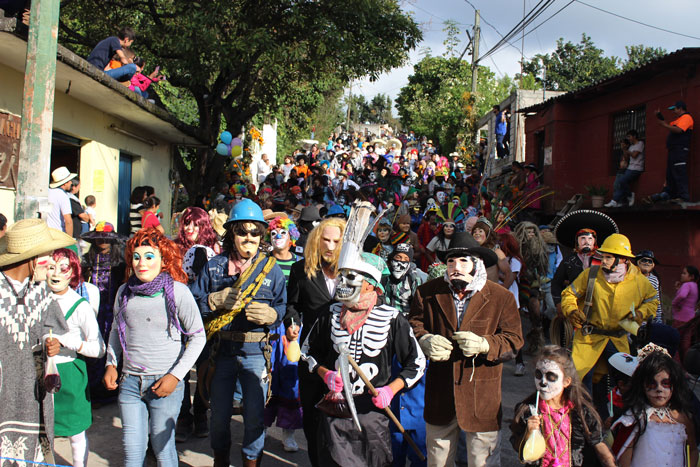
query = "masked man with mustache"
x=373 y=334
x=242 y=296
x=466 y=325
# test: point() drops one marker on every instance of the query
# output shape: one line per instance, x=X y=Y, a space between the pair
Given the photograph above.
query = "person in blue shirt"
x=105 y=50
x=501 y=127
x=241 y=294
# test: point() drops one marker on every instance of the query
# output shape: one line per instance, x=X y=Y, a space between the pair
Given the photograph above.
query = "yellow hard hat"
x=617 y=244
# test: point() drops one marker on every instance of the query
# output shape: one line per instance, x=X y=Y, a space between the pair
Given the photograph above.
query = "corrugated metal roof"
x=680 y=58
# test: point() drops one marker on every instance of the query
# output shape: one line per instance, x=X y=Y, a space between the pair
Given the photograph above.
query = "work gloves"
x=383 y=397
x=470 y=344
x=224 y=300
x=437 y=348
x=260 y=313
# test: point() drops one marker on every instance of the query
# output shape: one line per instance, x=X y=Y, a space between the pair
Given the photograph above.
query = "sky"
x=607 y=32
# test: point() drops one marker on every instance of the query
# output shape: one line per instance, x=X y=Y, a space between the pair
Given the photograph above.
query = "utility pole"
x=522 y=49
x=37 y=110
x=347 y=121
x=475 y=50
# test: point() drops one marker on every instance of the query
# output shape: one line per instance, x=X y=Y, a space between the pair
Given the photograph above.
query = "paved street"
x=106 y=439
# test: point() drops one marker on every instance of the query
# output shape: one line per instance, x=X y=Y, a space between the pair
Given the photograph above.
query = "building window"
x=630 y=119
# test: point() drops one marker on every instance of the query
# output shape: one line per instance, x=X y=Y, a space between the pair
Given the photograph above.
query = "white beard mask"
x=399 y=268
x=549 y=379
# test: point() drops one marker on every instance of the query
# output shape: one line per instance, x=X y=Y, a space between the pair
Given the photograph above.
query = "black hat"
x=310 y=214
x=405 y=248
x=646 y=254
x=463 y=244
x=569 y=225
x=678 y=105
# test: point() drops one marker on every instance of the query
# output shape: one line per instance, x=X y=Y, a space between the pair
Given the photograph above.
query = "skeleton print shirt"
x=385 y=333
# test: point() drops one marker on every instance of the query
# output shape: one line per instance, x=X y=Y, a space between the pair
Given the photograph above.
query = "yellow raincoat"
x=611 y=303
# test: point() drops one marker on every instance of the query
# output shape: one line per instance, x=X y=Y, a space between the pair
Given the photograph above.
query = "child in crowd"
x=140 y=82
x=149 y=217
x=686 y=299
x=565 y=416
x=90 y=205
x=657 y=427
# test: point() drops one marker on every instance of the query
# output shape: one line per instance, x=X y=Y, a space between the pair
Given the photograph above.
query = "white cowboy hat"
x=29 y=238
x=60 y=176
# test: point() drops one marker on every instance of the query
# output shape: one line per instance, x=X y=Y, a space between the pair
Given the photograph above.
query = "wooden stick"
x=388 y=411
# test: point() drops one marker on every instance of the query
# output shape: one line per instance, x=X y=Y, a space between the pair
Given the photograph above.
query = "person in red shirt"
x=149 y=217
x=426 y=231
x=678 y=145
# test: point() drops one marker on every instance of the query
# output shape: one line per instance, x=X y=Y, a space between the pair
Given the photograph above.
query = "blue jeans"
x=623 y=182
x=251 y=372
x=144 y=413
x=141 y=93
x=123 y=73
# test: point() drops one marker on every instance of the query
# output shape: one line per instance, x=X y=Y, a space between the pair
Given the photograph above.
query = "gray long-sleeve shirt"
x=151 y=340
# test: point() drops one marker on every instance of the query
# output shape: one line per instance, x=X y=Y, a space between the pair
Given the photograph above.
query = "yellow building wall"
x=99 y=153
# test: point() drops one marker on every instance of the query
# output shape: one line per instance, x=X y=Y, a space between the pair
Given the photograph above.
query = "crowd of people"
x=367 y=292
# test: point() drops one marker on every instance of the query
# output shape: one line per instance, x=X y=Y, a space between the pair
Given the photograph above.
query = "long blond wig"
x=312 y=250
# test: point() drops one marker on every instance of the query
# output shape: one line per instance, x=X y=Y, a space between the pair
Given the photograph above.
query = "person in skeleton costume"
x=28 y=314
x=571 y=430
x=72 y=409
x=466 y=326
x=372 y=334
x=534 y=272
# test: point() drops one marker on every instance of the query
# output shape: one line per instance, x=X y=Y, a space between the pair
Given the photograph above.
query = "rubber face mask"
x=585 y=243
x=341 y=200
x=549 y=379
x=349 y=287
x=460 y=271
x=42 y=263
x=399 y=268
x=373 y=177
x=58 y=274
x=146 y=262
x=299 y=196
x=279 y=239
x=192 y=231
x=440 y=195
x=246 y=239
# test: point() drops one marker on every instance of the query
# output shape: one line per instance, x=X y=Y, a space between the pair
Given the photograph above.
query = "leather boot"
x=221 y=459
x=251 y=462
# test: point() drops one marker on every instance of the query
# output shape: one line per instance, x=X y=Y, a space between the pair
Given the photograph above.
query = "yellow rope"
x=215 y=325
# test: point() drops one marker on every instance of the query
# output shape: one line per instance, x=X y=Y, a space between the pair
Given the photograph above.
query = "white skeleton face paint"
x=349 y=287
x=58 y=274
x=460 y=271
x=399 y=268
x=549 y=379
x=659 y=391
x=279 y=239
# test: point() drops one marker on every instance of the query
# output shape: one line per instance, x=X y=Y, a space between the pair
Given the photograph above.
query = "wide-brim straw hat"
x=29 y=238
x=217 y=222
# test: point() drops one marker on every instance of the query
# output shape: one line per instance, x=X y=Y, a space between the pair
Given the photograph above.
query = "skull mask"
x=399 y=268
x=373 y=177
x=341 y=200
x=549 y=379
x=349 y=287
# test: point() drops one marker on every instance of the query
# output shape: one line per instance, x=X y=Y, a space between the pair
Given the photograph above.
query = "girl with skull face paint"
x=565 y=415
x=657 y=428
x=72 y=409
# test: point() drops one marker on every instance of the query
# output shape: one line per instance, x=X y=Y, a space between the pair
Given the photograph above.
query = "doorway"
x=124 y=194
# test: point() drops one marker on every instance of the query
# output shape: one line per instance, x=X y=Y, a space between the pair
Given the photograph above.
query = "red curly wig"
x=510 y=246
x=207 y=236
x=75 y=278
x=169 y=252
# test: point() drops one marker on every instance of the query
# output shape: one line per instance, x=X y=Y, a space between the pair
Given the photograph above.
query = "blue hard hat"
x=335 y=210
x=245 y=210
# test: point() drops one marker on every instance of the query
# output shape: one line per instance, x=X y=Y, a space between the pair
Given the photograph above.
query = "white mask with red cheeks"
x=59 y=274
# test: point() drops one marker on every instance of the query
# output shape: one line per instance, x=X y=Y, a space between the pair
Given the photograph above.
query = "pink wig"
x=207 y=236
x=75 y=277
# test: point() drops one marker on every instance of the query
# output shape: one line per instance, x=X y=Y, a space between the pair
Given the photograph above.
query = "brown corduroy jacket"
x=450 y=388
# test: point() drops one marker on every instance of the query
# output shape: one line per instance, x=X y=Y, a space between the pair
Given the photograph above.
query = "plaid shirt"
x=214 y=277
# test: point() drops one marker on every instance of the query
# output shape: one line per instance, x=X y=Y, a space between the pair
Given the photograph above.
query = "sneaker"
x=612 y=204
x=201 y=428
x=290 y=444
x=183 y=430
x=647 y=201
x=519 y=369
x=630 y=199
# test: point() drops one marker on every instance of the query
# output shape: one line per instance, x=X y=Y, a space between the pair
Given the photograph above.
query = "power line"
x=555 y=14
x=637 y=21
x=494 y=28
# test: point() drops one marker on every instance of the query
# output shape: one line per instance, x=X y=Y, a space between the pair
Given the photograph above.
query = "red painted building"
x=575 y=141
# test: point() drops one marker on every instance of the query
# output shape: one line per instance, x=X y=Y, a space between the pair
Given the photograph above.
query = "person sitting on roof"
x=106 y=48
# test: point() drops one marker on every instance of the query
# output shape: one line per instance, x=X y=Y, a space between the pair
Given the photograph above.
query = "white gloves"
x=437 y=348
x=260 y=313
x=470 y=343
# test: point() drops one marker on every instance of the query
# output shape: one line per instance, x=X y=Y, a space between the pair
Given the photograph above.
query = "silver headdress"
x=358 y=227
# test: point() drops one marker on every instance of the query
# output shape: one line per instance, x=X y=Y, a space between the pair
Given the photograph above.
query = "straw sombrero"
x=29 y=238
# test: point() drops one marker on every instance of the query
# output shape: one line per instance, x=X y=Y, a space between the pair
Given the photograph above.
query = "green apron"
x=72 y=408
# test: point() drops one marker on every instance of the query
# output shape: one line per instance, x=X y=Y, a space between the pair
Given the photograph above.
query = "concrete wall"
x=99 y=153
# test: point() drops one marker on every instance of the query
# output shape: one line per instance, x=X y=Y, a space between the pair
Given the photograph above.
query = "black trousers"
x=677 y=174
x=311 y=391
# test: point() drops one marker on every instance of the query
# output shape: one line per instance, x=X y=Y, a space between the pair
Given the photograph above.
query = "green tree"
x=241 y=58
x=572 y=66
x=638 y=55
